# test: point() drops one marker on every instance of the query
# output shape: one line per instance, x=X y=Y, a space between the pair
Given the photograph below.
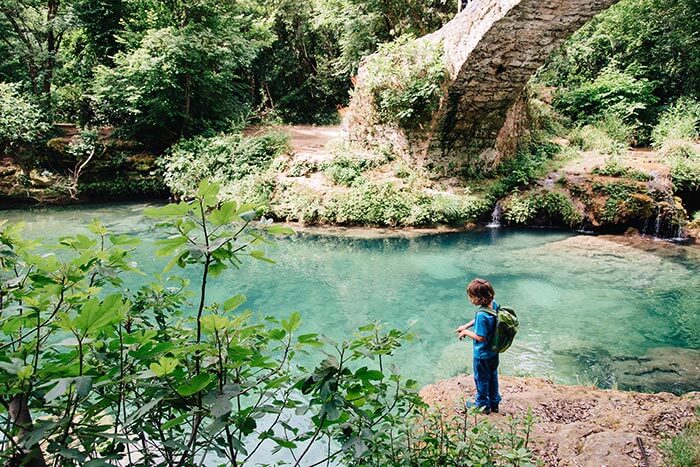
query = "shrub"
x=23 y=127
x=342 y=170
x=613 y=168
x=612 y=92
x=346 y=167
x=680 y=122
x=125 y=188
x=531 y=162
x=519 y=209
x=224 y=159
x=405 y=79
x=371 y=203
x=302 y=168
x=552 y=207
x=684 y=160
x=432 y=208
x=685 y=172
x=607 y=135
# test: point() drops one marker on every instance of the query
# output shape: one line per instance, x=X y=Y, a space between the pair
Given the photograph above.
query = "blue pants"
x=486 y=379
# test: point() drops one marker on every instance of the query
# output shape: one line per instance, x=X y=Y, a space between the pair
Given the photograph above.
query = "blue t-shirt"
x=484 y=325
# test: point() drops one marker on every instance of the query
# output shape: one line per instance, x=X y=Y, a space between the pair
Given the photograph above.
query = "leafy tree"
x=183 y=78
x=34 y=31
x=318 y=47
x=298 y=68
x=363 y=25
x=101 y=20
x=653 y=41
x=23 y=128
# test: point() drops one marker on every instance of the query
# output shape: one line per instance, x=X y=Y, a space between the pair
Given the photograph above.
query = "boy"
x=480 y=292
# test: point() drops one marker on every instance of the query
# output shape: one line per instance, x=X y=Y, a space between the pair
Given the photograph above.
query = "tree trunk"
x=188 y=102
x=22 y=420
x=52 y=42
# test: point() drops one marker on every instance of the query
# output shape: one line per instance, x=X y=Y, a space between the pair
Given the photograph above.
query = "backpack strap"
x=489 y=311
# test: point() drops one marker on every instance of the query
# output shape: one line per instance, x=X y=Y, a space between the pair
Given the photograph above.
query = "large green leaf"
x=234 y=302
x=94 y=316
x=169 y=210
x=225 y=214
x=194 y=385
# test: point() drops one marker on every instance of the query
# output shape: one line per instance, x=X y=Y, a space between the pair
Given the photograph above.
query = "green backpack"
x=506 y=328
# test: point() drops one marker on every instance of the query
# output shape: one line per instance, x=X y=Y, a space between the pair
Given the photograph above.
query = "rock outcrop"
x=581 y=426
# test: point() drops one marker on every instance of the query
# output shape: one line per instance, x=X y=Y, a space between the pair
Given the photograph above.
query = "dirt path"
x=308 y=142
x=581 y=426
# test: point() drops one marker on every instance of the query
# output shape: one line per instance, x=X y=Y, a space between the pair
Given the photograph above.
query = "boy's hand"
x=462 y=333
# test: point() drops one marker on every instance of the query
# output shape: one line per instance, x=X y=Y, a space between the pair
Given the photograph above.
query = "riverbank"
x=580 y=425
x=321 y=183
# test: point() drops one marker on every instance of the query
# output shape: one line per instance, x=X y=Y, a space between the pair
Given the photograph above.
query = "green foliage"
x=520 y=209
x=652 y=41
x=391 y=204
x=626 y=200
x=685 y=168
x=405 y=80
x=91 y=368
x=224 y=159
x=434 y=208
x=532 y=161
x=362 y=25
x=344 y=169
x=370 y=203
x=546 y=207
x=609 y=135
x=23 y=127
x=680 y=122
x=181 y=80
x=613 y=92
x=125 y=188
x=614 y=168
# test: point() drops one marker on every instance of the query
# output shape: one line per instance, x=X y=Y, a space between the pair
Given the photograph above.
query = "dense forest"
x=100 y=96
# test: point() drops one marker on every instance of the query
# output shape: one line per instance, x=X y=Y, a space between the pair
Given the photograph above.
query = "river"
x=592 y=310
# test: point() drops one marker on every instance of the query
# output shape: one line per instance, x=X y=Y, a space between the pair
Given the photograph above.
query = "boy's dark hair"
x=481 y=292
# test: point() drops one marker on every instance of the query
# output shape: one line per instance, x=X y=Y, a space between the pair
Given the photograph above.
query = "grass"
x=607 y=135
x=680 y=122
x=683 y=450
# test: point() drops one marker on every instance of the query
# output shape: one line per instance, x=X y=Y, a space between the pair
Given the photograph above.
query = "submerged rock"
x=667 y=368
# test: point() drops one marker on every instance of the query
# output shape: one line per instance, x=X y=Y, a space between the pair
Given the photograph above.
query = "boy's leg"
x=481 y=380
x=493 y=395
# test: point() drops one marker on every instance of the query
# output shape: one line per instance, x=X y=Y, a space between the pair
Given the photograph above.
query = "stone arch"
x=491 y=50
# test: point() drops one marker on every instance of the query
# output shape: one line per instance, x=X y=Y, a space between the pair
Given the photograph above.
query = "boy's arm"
x=471 y=335
x=465 y=326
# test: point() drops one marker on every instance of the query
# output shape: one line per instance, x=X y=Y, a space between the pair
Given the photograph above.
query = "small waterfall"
x=496 y=216
x=657 y=226
x=667 y=226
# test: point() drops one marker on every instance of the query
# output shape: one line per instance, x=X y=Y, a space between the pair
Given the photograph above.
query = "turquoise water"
x=591 y=310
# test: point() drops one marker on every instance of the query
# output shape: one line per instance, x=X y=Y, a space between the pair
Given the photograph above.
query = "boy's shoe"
x=485 y=409
x=494 y=409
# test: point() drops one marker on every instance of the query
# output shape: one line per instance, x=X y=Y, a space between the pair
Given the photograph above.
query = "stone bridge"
x=491 y=49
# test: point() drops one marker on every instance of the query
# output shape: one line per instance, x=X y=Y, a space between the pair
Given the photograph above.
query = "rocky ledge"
x=581 y=425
